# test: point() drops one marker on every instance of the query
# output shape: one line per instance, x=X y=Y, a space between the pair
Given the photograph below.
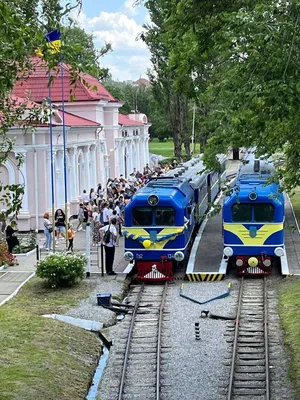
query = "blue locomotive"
x=163 y=216
x=253 y=217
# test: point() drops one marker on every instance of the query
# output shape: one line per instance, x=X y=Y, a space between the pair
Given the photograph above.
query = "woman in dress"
x=96 y=226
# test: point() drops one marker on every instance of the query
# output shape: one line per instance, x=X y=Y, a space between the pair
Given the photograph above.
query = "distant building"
x=142 y=82
x=100 y=143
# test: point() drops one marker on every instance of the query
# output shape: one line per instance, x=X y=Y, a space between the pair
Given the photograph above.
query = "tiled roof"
x=124 y=120
x=35 y=86
x=57 y=119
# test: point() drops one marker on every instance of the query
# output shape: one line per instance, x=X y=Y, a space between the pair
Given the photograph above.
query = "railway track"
x=249 y=374
x=140 y=377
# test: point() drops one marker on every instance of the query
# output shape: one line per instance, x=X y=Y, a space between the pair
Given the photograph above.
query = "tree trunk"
x=175 y=119
x=184 y=125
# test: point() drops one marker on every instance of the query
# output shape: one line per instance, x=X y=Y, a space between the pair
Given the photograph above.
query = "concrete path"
x=13 y=278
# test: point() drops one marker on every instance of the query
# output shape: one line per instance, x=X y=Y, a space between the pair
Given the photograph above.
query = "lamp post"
x=193 y=129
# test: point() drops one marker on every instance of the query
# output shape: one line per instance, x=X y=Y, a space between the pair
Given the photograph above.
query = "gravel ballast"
x=191 y=369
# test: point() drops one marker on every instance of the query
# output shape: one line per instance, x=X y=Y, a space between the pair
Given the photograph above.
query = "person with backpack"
x=108 y=239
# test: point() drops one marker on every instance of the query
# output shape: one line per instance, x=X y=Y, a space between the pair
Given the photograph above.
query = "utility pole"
x=193 y=130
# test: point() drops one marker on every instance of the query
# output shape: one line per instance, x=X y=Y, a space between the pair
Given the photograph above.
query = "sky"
x=119 y=23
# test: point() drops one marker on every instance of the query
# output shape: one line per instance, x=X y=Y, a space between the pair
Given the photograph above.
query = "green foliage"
x=27 y=243
x=239 y=61
x=23 y=26
x=79 y=45
x=62 y=269
x=5 y=257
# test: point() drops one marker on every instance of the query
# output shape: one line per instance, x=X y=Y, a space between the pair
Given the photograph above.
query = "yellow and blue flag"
x=54 y=42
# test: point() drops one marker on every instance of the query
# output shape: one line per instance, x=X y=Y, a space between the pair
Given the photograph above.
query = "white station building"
x=100 y=143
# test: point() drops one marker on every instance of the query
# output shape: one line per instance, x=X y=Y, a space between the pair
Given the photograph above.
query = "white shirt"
x=113 y=235
x=107 y=212
x=85 y=197
x=117 y=208
x=96 y=216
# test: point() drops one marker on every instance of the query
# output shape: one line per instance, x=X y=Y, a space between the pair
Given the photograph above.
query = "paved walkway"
x=13 y=278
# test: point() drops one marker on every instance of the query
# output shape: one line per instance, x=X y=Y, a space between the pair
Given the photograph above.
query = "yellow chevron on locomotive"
x=262 y=234
x=141 y=232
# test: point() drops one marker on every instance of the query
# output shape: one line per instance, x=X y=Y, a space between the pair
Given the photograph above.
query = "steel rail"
x=266 y=332
x=129 y=337
x=236 y=334
x=161 y=312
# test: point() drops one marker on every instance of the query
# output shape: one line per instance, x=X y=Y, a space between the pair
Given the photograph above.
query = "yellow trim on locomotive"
x=140 y=232
x=262 y=234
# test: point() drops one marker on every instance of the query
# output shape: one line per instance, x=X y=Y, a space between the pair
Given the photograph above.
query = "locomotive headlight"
x=252 y=196
x=267 y=263
x=128 y=256
x=153 y=200
x=279 y=252
x=179 y=256
x=228 y=251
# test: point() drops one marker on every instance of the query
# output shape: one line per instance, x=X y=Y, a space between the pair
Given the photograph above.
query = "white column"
x=139 y=155
x=94 y=181
x=106 y=167
x=49 y=182
x=59 y=180
x=73 y=174
x=86 y=152
x=122 y=161
x=23 y=181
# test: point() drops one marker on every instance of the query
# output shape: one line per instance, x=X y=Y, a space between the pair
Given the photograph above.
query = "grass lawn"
x=41 y=358
x=165 y=149
x=289 y=309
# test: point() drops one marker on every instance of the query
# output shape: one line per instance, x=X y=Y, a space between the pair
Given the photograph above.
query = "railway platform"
x=291 y=264
x=204 y=261
x=207 y=250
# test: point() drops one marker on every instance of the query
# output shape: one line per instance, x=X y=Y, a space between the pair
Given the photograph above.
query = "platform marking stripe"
x=197 y=277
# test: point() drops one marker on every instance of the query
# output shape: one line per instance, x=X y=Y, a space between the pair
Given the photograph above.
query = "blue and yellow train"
x=253 y=217
x=163 y=216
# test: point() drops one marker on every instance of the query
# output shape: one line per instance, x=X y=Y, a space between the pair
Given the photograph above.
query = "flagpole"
x=52 y=166
x=64 y=146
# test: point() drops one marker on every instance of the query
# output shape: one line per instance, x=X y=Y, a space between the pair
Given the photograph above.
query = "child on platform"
x=71 y=234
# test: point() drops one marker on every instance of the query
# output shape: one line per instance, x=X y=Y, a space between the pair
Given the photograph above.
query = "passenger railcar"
x=162 y=218
x=253 y=217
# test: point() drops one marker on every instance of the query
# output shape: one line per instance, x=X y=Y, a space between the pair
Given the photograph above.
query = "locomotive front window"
x=264 y=212
x=165 y=216
x=142 y=216
x=242 y=213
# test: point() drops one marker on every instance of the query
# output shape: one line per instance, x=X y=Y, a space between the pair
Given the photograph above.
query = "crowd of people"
x=102 y=208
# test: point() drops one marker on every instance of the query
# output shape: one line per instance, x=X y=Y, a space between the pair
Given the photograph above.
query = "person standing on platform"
x=12 y=241
x=71 y=235
x=60 y=223
x=48 y=231
x=3 y=221
x=108 y=239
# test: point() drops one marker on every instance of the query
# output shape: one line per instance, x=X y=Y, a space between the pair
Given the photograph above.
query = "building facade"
x=99 y=144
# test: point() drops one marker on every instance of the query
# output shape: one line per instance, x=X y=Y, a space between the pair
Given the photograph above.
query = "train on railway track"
x=253 y=218
x=163 y=217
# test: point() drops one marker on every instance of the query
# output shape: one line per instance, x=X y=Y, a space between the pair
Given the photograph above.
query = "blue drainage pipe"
x=221 y=296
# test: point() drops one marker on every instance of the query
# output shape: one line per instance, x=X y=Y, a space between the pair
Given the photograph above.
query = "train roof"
x=256 y=170
x=192 y=171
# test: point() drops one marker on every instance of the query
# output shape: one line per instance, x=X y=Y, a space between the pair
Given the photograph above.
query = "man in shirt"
x=85 y=197
x=110 y=246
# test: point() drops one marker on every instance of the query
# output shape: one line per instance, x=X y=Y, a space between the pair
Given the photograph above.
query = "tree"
x=23 y=26
x=80 y=44
x=163 y=77
x=240 y=62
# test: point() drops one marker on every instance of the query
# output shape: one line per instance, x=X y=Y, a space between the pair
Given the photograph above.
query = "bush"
x=62 y=269
x=5 y=257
